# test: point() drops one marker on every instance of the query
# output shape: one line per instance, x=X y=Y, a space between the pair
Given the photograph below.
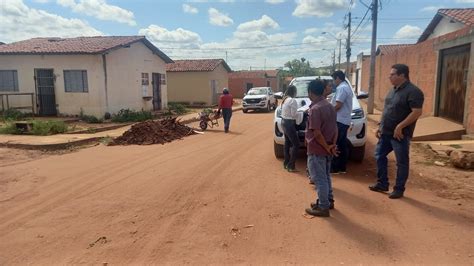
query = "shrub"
x=91 y=119
x=177 y=108
x=127 y=115
x=44 y=128
x=12 y=114
x=9 y=128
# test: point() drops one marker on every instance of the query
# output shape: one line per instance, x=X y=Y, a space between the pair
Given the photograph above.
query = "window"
x=145 y=79
x=8 y=80
x=75 y=81
x=163 y=79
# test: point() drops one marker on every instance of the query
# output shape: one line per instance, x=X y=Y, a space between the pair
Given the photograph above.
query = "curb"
x=70 y=144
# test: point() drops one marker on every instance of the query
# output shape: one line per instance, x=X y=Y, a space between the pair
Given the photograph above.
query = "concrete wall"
x=195 y=87
x=422 y=59
x=445 y=26
x=67 y=102
x=124 y=74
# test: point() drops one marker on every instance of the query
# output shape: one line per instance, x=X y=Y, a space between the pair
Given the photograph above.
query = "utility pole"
x=370 y=104
x=339 y=57
x=226 y=56
x=334 y=60
x=348 y=46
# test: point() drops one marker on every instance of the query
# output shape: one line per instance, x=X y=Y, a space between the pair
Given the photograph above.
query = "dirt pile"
x=153 y=132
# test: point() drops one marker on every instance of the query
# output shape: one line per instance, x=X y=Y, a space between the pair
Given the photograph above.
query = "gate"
x=44 y=81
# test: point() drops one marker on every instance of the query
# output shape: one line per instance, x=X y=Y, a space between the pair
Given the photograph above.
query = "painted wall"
x=238 y=85
x=445 y=26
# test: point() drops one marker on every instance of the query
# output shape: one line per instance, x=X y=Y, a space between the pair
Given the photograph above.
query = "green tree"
x=301 y=67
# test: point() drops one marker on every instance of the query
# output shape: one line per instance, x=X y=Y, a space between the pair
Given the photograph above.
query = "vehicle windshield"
x=257 y=91
x=302 y=88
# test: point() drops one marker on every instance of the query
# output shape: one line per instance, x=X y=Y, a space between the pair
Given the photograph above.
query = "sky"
x=248 y=34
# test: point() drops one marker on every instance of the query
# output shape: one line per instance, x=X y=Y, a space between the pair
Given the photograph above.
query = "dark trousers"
x=226 y=115
x=385 y=145
x=292 y=142
x=339 y=162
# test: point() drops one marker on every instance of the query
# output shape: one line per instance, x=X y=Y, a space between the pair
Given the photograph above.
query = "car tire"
x=269 y=107
x=279 y=150
x=245 y=110
x=358 y=153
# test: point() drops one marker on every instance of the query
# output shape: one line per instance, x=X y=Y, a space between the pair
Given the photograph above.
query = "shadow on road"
x=439 y=213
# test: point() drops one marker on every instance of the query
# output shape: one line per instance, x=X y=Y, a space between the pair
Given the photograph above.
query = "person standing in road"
x=321 y=136
x=290 y=118
x=225 y=104
x=342 y=102
x=403 y=106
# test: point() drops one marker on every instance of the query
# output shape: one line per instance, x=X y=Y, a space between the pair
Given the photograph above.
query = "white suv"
x=357 y=130
x=259 y=98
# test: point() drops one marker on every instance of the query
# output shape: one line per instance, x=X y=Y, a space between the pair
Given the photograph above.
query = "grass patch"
x=12 y=115
x=44 y=128
x=127 y=115
x=177 y=108
x=456 y=146
x=9 y=128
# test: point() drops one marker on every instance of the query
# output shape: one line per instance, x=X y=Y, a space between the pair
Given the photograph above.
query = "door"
x=249 y=86
x=453 y=83
x=46 y=98
x=156 y=82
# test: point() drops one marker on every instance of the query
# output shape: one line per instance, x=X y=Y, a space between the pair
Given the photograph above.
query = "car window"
x=302 y=88
x=257 y=91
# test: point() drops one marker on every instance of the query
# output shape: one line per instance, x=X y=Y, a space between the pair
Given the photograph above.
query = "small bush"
x=177 y=108
x=127 y=115
x=9 y=128
x=91 y=119
x=44 y=128
x=12 y=114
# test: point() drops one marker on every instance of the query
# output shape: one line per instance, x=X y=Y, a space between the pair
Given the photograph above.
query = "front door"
x=453 y=83
x=156 y=91
x=46 y=98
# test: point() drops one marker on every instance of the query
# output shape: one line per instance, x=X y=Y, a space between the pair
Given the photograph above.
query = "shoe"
x=318 y=212
x=334 y=172
x=291 y=170
x=378 y=188
x=311 y=182
x=285 y=166
x=315 y=205
x=396 y=194
x=307 y=173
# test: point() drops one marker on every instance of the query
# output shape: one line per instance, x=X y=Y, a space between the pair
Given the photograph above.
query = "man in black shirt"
x=403 y=106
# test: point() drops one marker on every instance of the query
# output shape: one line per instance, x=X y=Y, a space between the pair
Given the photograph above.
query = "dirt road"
x=215 y=198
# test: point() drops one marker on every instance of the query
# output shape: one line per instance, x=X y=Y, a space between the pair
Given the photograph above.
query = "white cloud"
x=219 y=19
x=42 y=1
x=263 y=23
x=311 y=30
x=38 y=23
x=207 y=1
x=465 y=1
x=431 y=8
x=100 y=10
x=190 y=9
x=408 y=32
x=318 y=8
x=179 y=38
x=275 y=2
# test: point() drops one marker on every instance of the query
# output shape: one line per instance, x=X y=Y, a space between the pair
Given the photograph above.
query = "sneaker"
x=378 y=188
x=285 y=166
x=396 y=194
x=291 y=170
x=311 y=182
x=318 y=212
x=315 y=205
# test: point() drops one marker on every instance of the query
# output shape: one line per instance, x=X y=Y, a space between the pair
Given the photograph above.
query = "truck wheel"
x=278 y=149
x=269 y=107
x=245 y=110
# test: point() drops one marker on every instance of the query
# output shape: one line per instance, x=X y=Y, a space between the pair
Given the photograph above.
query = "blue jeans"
x=226 y=115
x=339 y=162
x=385 y=145
x=292 y=143
x=319 y=167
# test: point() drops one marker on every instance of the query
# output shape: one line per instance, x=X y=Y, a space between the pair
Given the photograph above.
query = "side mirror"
x=363 y=95
x=278 y=95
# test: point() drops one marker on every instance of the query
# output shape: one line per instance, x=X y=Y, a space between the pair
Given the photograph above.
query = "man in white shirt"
x=342 y=102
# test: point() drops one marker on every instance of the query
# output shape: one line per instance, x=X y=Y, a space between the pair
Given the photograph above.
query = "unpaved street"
x=216 y=198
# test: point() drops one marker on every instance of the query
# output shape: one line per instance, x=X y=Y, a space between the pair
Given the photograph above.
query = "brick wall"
x=422 y=59
x=238 y=86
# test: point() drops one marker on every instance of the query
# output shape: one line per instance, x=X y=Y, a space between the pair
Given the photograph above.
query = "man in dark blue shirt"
x=403 y=106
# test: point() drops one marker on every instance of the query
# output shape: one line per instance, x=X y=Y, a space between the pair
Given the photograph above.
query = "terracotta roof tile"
x=463 y=15
x=390 y=48
x=196 y=65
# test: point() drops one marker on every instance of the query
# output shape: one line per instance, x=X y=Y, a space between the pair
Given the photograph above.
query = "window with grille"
x=8 y=80
x=75 y=81
x=145 y=79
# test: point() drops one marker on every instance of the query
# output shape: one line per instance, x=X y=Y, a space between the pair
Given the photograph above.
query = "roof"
x=390 y=48
x=196 y=65
x=461 y=15
x=78 y=45
x=254 y=74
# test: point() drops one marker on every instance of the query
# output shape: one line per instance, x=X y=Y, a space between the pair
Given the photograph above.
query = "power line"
x=363 y=18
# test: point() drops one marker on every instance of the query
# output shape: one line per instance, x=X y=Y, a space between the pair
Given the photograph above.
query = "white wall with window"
x=8 y=81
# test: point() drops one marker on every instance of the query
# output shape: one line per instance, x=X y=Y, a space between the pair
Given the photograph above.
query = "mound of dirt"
x=153 y=132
